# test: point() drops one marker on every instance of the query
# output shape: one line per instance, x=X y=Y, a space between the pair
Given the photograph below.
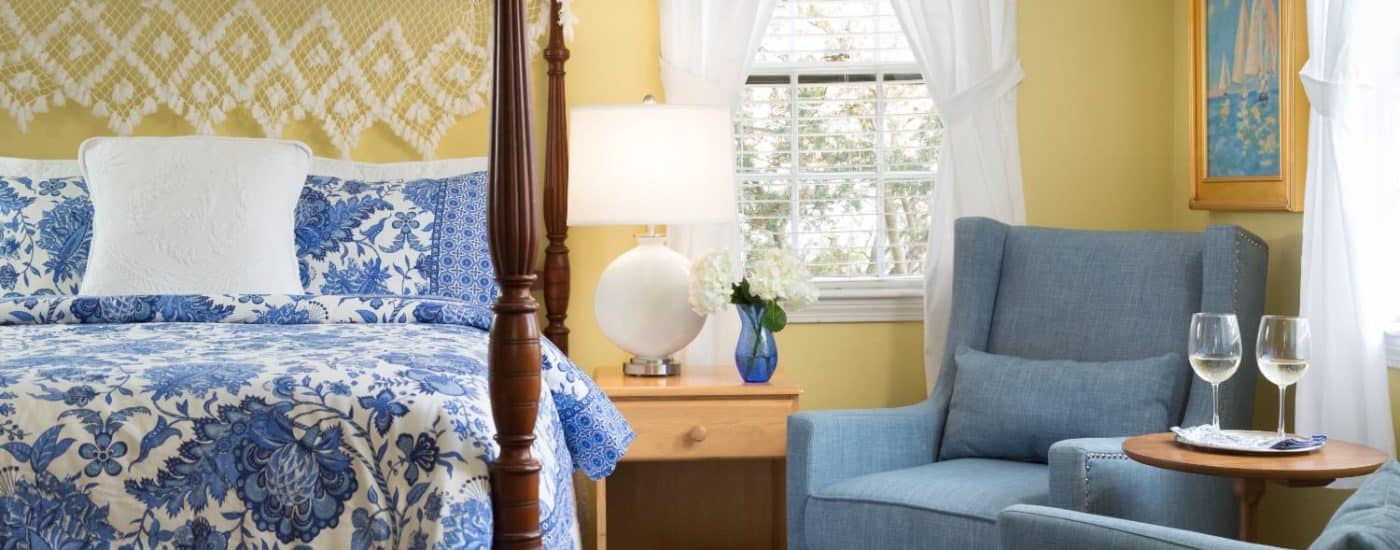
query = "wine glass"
x=1285 y=343
x=1214 y=351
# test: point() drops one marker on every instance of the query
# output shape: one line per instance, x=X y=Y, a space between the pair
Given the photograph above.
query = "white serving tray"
x=1242 y=443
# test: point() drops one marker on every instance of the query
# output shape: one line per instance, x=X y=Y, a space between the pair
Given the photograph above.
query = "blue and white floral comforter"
x=269 y=422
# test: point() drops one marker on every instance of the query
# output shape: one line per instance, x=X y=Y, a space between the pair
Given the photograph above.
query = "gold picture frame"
x=1246 y=121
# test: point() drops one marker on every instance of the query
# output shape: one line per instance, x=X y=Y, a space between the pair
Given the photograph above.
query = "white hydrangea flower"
x=797 y=288
x=801 y=296
x=773 y=276
x=712 y=281
x=783 y=277
x=766 y=276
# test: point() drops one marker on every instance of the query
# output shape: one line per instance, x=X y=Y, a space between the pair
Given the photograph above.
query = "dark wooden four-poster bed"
x=348 y=412
x=515 y=350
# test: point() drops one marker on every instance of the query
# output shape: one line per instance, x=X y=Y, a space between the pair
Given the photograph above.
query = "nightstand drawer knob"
x=698 y=434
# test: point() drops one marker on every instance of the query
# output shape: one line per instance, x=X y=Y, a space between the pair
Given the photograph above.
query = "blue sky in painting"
x=1221 y=26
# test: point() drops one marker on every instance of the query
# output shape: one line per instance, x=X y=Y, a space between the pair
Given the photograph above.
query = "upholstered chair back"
x=1046 y=293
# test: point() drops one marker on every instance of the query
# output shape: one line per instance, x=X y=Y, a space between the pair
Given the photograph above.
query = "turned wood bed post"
x=556 y=189
x=515 y=337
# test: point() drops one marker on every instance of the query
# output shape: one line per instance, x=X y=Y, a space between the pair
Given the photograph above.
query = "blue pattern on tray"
x=1292 y=443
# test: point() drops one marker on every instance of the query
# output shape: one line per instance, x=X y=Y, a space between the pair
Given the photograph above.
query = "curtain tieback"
x=1330 y=97
x=963 y=104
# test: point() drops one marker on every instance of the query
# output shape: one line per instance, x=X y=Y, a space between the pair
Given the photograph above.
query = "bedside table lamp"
x=650 y=164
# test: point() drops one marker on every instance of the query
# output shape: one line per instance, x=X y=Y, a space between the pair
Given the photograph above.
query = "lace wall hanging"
x=414 y=65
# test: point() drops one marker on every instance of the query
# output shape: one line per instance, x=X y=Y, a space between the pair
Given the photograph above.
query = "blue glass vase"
x=756 y=355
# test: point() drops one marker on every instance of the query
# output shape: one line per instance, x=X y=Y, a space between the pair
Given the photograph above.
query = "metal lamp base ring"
x=639 y=366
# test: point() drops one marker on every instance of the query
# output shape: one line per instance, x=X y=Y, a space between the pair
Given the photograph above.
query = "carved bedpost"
x=556 y=189
x=515 y=337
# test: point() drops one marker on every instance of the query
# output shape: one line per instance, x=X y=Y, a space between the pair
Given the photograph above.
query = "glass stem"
x=1282 y=391
x=1215 y=405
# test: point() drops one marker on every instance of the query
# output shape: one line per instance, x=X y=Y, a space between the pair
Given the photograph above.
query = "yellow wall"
x=1103 y=145
x=1291 y=517
x=1088 y=153
x=1091 y=138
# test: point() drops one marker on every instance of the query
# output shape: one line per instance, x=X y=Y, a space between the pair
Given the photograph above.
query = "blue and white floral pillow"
x=45 y=232
x=412 y=238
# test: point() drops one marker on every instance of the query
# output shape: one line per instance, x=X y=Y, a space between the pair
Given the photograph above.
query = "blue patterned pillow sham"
x=45 y=232
x=412 y=238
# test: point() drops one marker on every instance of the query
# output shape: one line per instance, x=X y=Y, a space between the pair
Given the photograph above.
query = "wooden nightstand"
x=707 y=468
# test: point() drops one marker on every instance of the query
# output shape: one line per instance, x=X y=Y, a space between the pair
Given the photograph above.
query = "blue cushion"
x=45 y=232
x=416 y=238
x=1370 y=518
x=1014 y=408
x=947 y=504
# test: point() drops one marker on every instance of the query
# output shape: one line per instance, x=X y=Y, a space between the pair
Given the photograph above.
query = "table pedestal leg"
x=1247 y=493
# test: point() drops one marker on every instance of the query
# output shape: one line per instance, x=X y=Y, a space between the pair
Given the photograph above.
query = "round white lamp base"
x=643 y=306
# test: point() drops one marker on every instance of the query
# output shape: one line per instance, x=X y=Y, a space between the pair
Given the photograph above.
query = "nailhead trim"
x=1089 y=459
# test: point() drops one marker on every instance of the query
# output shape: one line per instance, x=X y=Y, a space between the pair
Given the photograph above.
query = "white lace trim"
x=413 y=65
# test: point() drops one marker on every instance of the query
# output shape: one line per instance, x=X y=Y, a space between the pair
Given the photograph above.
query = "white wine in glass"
x=1283 y=349
x=1283 y=372
x=1214 y=350
x=1215 y=368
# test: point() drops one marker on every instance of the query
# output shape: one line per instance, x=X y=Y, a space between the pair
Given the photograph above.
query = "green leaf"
x=742 y=294
x=774 y=317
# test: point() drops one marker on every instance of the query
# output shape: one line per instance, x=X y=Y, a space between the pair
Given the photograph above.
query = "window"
x=836 y=153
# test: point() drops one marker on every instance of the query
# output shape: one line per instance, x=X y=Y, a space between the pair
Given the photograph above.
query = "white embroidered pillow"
x=193 y=215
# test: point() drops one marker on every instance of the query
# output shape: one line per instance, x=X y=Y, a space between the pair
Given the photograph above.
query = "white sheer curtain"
x=707 y=47
x=967 y=52
x=1351 y=220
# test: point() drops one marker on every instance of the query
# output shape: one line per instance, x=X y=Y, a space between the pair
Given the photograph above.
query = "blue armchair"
x=874 y=478
x=1369 y=519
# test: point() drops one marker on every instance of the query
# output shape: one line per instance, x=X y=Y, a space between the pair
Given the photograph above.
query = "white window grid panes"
x=837 y=146
x=839 y=170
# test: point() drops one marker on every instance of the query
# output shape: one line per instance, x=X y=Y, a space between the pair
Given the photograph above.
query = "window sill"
x=865 y=301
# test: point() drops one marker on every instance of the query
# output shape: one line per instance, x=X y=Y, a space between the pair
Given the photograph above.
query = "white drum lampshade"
x=650 y=164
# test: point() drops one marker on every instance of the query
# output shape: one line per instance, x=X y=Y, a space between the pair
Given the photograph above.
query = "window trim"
x=857 y=299
x=865 y=300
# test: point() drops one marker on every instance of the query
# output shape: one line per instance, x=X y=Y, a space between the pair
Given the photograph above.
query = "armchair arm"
x=1026 y=527
x=825 y=447
x=1094 y=476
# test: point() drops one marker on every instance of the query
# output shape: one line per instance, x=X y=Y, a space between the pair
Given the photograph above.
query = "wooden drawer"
x=686 y=429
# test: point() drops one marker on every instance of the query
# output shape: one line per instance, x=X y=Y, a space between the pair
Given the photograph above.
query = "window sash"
x=799 y=176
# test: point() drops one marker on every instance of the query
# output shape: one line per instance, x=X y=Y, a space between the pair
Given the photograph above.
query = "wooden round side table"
x=1337 y=460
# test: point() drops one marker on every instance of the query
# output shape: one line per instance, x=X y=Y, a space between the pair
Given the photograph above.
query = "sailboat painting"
x=1243 y=117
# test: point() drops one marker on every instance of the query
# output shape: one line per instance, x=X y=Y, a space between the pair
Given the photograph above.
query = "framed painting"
x=1243 y=85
